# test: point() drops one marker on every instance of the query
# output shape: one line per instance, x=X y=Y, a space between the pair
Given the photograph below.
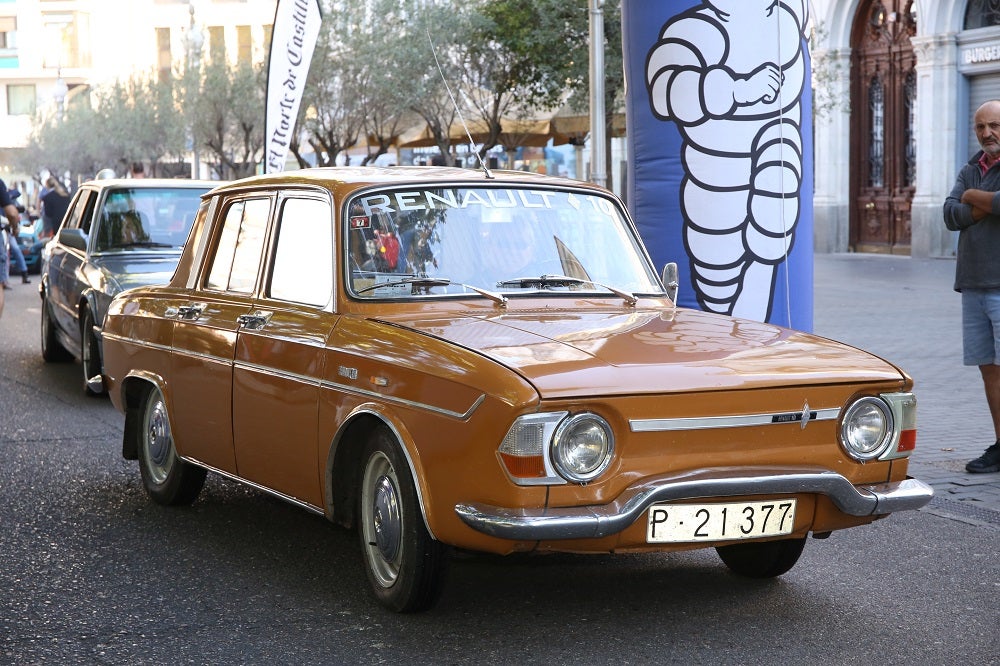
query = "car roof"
x=353 y=177
x=150 y=183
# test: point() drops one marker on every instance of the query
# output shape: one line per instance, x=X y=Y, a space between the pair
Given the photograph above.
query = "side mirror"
x=670 y=281
x=74 y=238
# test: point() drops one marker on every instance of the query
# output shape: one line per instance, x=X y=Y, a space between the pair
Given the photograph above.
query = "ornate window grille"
x=876 y=133
x=909 y=138
x=982 y=14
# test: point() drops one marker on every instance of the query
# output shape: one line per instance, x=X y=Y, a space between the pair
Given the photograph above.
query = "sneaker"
x=986 y=463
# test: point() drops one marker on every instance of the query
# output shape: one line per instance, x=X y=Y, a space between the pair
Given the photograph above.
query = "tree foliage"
x=381 y=68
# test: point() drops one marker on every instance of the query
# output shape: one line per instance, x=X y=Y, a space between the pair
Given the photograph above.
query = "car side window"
x=75 y=217
x=237 y=256
x=303 y=255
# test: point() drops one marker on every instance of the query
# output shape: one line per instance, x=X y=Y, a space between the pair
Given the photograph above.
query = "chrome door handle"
x=255 y=320
x=192 y=311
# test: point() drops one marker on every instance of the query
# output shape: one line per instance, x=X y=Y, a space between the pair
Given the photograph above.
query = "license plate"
x=675 y=523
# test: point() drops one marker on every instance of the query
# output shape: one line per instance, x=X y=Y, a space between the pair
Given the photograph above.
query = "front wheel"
x=764 y=559
x=404 y=565
x=90 y=355
x=168 y=479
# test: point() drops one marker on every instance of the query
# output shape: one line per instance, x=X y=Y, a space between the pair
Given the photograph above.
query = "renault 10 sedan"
x=117 y=233
x=444 y=358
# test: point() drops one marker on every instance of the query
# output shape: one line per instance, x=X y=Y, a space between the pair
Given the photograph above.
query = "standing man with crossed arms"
x=973 y=209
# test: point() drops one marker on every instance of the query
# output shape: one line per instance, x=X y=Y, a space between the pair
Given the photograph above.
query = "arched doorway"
x=883 y=150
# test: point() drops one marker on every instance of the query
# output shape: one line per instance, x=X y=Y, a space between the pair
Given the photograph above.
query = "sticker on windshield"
x=486 y=199
x=360 y=222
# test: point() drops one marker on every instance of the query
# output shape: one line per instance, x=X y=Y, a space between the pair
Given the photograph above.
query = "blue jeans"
x=17 y=255
x=981 y=326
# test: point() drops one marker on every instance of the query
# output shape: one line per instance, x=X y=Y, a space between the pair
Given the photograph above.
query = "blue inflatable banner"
x=719 y=119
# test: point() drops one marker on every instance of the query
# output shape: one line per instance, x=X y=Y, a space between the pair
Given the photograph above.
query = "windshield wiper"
x=427 y=282
x=545 y=281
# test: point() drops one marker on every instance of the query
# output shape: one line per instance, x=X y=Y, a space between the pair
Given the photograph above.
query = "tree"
x=330 y=115
x=578 y=80
x=517 y=63
x=111 y=126
x=227 y=117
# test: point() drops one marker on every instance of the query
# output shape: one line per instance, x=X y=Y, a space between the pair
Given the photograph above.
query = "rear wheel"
x=765 y=559
x=52 y=349
x=90 y=355
x=404 y=565
x=168 y=479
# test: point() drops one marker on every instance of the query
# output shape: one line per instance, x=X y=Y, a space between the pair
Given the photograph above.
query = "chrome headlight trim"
x=867 y=428
x=582 y=447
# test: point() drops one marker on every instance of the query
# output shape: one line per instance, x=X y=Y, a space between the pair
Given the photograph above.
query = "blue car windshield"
x=419 y=242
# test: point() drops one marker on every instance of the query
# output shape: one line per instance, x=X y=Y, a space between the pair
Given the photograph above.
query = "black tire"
x=168 y=479
x=90 y=355
x=405 y=566
x=765 y=559
x=52 y=349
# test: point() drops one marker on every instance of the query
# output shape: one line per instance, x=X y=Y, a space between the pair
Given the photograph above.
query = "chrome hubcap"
x=386 y=519
x=159 y=446
x=382 y=520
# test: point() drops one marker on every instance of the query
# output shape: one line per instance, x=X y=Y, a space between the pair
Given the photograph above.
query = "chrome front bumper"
x=589 y=522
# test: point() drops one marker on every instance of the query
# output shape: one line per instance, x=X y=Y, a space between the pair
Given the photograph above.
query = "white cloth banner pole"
x=293 y=38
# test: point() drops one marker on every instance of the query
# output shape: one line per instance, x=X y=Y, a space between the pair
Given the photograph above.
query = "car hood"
x=125 y=270
x=574 y=354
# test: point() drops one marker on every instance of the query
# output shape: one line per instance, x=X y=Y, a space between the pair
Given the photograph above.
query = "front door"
x=883 y=153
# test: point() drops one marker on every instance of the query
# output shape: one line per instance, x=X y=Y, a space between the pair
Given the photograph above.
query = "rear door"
x=205 y=334
x=280 y=352
x=65 y=267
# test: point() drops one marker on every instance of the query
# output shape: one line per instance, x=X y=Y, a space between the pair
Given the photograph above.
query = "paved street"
x=92 y=572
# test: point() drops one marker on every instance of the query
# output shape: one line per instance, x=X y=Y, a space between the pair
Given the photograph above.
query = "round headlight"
x=582 y=447
x=866 y=429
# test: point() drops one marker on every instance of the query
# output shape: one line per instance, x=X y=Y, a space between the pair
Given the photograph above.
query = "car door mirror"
x=74 y=238
x=670 y=281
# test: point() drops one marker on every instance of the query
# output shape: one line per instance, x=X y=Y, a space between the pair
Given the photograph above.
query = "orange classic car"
x=444 y=358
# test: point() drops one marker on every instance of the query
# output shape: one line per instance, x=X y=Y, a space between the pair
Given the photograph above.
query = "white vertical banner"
x=293 y=38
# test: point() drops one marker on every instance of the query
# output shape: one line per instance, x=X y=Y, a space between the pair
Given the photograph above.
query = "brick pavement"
x=905 y=310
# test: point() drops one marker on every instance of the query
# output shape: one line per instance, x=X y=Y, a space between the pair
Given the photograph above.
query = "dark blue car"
x=117 y=234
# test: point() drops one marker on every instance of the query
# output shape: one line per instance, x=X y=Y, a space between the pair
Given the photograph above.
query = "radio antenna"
x=444 y=79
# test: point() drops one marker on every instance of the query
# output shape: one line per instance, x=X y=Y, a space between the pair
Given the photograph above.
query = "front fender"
x=343 y=459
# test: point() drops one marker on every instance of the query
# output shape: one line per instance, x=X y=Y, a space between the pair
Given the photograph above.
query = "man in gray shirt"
x=973 y=209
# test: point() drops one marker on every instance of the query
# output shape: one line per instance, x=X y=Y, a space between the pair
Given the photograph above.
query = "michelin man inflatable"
x=730 y=76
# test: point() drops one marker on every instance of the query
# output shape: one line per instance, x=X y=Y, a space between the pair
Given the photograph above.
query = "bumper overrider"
x=587 y=522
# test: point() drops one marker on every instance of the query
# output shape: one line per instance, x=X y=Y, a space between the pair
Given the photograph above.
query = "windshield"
x=143 y=218
x=423 y=242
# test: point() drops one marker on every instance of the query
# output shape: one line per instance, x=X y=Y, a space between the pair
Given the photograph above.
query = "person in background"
x=137 y=170
x=54 y=203
x=973 y=209
x=13 y=220
x=13 y=232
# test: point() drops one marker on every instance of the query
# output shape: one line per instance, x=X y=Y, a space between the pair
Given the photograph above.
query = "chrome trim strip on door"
x=270 y=491
x=310 y=380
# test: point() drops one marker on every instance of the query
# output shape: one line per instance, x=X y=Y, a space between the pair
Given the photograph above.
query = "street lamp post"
x=195 y=40
x=59 y=93
x=598 y=158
